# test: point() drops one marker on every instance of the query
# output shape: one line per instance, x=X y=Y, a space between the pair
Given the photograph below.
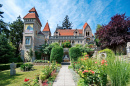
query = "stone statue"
x=12 y=69
x=66 y=58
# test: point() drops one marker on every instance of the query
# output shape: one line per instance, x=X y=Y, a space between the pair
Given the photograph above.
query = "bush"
x=109 y=52
x=66 y=44
x=37 y=55
x=26 y=67
x=57 y=54
x=74 y=53
x=7 y=66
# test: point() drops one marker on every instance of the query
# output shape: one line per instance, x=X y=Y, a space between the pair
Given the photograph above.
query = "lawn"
x=18 y=79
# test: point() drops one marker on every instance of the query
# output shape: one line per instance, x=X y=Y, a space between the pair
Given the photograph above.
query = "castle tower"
x=87 y=33
x=32 y=35
x=46 y=31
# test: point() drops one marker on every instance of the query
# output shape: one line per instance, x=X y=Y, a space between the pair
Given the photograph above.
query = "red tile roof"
x=33 y=10
x=46 y=28
x=68 y=32
x=85 y=25
x=33 y=15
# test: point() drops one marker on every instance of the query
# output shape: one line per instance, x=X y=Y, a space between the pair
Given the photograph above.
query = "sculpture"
x=12 y=69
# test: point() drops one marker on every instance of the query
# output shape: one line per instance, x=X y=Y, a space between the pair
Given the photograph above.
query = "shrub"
x=109 y=52
x=41 y=61
x=57 y=54
x=66 y=44
x=74 y=53
x=37 y=55
x=26 y=67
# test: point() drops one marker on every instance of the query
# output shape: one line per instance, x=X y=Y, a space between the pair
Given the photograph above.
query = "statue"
x=66 y=58
x=12 y=69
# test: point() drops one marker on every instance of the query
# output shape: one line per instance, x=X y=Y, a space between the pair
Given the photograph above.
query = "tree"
x=115 y=32
x=3 y=25
x=66 y=23
x=30 y=53
x=96 y=37
x=16 y=36
x=6 y=49
x=1 y=12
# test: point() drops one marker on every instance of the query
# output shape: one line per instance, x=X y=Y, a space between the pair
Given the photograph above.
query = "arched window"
x=88 y=33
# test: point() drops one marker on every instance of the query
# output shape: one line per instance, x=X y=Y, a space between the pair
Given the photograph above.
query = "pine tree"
x=1 y=12
x=16 y=36
x=66 y=23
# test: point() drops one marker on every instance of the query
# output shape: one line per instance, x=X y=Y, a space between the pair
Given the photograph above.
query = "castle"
x=33 y=37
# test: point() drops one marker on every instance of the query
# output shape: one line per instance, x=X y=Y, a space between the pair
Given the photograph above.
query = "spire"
x=46 y=28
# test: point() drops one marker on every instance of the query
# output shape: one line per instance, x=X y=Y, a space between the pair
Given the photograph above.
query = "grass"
x=18 y=79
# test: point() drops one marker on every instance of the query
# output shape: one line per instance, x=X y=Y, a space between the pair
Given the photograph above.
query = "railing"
x=66 y=37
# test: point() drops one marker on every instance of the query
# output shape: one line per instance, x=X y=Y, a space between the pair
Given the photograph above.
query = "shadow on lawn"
x=5 y=78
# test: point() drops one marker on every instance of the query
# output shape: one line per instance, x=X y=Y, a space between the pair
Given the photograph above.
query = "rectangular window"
x=81 y=41
x=28 y=40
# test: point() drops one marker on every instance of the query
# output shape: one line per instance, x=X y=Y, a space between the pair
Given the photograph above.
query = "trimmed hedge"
x=74 y=53
x=56 y=54
x=7 y=66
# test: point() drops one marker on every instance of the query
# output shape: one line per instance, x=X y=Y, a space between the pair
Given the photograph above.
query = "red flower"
x=106 y=64
x=92 y=72
x=82 y=59
x=85 y=58
x=42 y=59
x=26 y=79
x=85 y=70
x=95 y=62
x=86 y=55
x=102 y=62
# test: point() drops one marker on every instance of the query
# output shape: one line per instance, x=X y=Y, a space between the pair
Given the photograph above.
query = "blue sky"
x=79 y=11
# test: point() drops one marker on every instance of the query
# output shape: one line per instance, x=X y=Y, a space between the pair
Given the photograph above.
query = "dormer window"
x=56 y=32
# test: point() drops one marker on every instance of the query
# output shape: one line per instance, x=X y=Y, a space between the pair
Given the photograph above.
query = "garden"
x=90 y=71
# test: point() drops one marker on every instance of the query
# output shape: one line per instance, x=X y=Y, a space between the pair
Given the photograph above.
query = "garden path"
x=64 y=78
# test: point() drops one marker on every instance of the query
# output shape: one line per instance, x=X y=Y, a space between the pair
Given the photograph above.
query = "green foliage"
x=16 y=33
x=6 y=50
x=57 y=54
x=66 y=23
x=38 y=55
x=30 y=53
x=81 y=82
x=7 y=66
x=118 y=71
x=109 y=52
x=41 y=61
x=66 y=44
x=26 y=67
x=74 y=53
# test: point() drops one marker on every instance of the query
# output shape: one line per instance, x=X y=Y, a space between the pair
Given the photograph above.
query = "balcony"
x=65 y=37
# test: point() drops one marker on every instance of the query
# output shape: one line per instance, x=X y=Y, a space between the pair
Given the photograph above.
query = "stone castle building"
x=33 y=37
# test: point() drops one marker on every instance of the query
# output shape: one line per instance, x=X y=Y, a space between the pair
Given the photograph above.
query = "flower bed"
x=46 y=77
x=101 y=72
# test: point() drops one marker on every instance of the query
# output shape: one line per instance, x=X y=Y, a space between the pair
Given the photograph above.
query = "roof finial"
x=47 y=20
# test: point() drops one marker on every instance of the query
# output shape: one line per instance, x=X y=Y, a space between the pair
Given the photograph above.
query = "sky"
x=79 y=11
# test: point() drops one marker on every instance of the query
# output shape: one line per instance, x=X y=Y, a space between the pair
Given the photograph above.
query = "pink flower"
x=85 y=58
x=92 y=72
x=85 y=70
x=95 y=62
x=86 y=55
x=82 y=59
x=106 y=64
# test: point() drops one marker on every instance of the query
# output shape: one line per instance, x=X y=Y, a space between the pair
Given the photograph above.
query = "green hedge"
x=7 y=66
x=74 y=53
x=56 y=54
x=37 y=55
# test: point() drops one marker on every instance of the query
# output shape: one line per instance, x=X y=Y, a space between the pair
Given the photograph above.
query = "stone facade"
x=33 y=37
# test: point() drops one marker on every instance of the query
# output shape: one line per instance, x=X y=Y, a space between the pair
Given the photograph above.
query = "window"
x=27 y=41
x=78 y=41
x=81 y=41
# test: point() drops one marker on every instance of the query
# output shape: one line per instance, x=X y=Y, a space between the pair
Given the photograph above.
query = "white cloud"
x=54 y=11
